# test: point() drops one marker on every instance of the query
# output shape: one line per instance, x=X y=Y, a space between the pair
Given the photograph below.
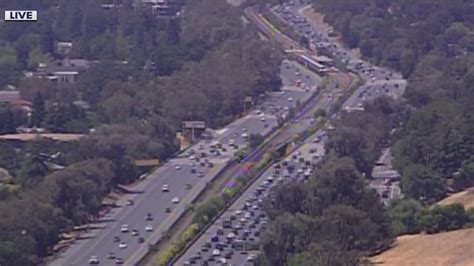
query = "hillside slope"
x=450 y=248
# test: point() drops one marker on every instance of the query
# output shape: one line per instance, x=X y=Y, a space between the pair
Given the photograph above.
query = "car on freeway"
x=119 y=261
x=177 y=167
x=124 y=228
x=148 y=228
x=94 y=260
x=123 y=245
x=135 y=232
x=216 y=252
x=165 y=188
x=111 y=256
x=130 y=202
x=116 y=239
x=141 y=240
x=175 y=200
x=168 y=210
x=149 y=217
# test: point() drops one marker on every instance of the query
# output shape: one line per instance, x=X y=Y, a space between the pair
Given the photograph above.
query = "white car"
x=216 y=252
x=250 y=258
x=177 y=167
x=165 y=188
x=245 y=135
x=94 y=260
x=124 y=228
x=290 y=99
x=175 y=200
x=263 y=119
x=258 y=112
x=238 y=212
x=123 y=245
x=148 y=228
x=231 y=235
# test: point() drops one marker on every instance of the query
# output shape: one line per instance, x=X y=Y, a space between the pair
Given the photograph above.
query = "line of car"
x=234 y=238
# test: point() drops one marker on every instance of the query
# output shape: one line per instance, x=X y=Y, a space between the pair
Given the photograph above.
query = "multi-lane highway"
x=379 y=81
x=233 y=238
x=186 y=178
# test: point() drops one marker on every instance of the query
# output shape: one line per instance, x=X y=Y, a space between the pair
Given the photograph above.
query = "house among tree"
x=14 y=99
x=164 y=8
x=64 y=71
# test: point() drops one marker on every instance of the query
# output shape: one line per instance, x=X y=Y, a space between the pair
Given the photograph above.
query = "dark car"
x=149 y=217
x=140 y=240
x=168 y=210
x=116 y=239
x=228 y=255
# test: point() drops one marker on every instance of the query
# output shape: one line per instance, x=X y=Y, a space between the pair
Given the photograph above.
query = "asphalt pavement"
x=221 y=245
x=182 y=183
x=239 y=243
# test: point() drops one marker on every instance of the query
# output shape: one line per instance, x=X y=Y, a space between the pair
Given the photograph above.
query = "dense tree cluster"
x=430 y=42
x=409 y=216
x=362 y=135
x=32 y=222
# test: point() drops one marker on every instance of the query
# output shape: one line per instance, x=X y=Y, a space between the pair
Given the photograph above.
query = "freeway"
x=222 y=244
x=237 y=242
x=379 y=81
x=108 y=241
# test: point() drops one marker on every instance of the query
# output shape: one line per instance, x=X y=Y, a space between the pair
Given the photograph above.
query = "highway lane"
x=307 y=151
x=380 y=81
x=156 y=202
x=153 y=201
x=377 y=78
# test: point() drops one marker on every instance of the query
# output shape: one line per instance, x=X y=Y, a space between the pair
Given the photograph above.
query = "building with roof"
x=64 y=71
x=164 y=8
x=14 y=99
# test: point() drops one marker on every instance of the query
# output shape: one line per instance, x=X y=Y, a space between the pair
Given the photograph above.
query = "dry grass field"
x=455 y=248
x=466 y=198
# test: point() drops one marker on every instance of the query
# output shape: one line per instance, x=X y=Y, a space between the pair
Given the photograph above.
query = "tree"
x=465 y=177
x=404 y=215
x=422 y=184
x=7 y=120
x=255 y=140
x=38 y=113
x=32 y=171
